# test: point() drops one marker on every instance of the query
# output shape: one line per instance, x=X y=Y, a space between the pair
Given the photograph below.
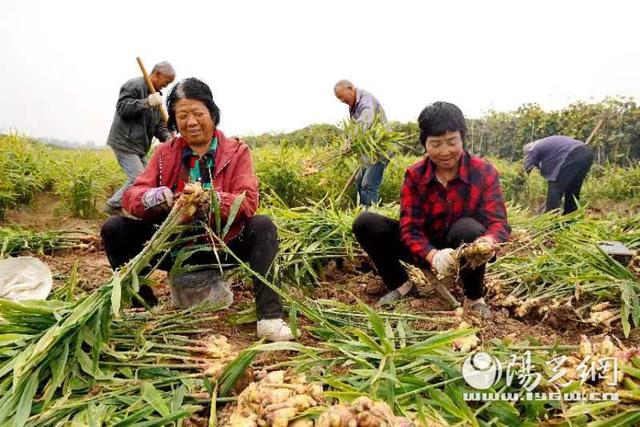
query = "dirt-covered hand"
x=487 y=248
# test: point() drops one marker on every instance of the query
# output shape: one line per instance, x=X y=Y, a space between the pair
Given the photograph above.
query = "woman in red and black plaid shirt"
x=448 y=198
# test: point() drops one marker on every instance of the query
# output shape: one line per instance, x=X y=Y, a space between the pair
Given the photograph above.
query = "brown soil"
x=348 y=286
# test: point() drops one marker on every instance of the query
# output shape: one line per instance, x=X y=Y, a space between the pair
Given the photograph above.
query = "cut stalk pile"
x=152 y=367
x=555 y=263
x=51 y=349
x=419 y=376
x=312 y=236
x=16 y=240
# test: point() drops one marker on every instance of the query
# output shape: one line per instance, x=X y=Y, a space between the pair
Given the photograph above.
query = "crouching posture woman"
x=447 y=199
x=201 y=153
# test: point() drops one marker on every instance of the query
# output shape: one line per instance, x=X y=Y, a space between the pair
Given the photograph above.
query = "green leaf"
x=293 y=321
x=286 y=346
x=135 y=417
x=13 y=339
x=84 y=361
x=234 y=370
x=437 y=341
x=589 y=408
x=390 y=389
x=446 y=403
x=366 y=339
x=401 y=329
x=177 y=398
x=233 y=211
x=215 y=207
x=624 y=419
x=135 y=281
x=630 y=306
x=630 y=370
x=98 y=340
x=456 y=395
x=153 y=397
x=183 y=413
x=23 y=410
x=624 y=319
x=116 y=295
x=57 y=366
x=378 y=327
x=336 y=384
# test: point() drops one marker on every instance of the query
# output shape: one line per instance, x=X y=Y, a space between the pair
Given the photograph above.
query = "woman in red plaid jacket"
x=448 y=198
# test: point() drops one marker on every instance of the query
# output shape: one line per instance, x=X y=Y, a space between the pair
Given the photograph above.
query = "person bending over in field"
x=448 y=198
x=564 y=162
x=201 y=153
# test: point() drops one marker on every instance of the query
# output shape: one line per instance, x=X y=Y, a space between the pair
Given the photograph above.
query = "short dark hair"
x=439 y=118
x=191 y=88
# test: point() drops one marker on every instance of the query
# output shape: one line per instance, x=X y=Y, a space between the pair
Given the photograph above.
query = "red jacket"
x=233 y=175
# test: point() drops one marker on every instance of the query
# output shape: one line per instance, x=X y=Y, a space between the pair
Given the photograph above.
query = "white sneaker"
x=274 y=330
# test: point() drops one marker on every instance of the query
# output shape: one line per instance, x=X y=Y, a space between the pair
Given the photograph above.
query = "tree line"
x=503 y=134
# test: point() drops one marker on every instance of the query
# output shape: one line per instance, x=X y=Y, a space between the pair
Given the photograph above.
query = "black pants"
x=570 y=179
x=257 y=245
x=379 y=236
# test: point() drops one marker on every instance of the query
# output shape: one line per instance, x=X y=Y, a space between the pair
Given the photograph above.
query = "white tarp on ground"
x=24 y=278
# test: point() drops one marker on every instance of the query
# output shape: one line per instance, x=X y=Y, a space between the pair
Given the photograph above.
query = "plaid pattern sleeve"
x=412 y=218
x=492 y=211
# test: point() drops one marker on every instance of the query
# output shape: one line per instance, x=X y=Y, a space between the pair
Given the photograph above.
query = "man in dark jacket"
x=137 y=120
x=564 y=162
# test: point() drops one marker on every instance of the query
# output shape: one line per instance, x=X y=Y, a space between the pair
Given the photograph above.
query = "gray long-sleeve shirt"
x=365 y=108
x=549 y=154
x=135 y=123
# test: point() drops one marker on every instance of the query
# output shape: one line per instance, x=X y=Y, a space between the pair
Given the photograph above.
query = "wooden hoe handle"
x=163 y=112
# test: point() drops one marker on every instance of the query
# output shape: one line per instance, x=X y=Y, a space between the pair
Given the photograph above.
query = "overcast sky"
x=272 y=64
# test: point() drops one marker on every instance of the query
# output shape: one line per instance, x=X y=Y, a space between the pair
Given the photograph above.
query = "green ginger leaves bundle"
x=366 y=144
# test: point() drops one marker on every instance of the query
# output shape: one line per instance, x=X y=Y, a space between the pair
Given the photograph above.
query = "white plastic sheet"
x=24 y=278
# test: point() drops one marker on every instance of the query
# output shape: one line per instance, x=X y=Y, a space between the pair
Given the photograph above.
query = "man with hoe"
x=136 y=121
